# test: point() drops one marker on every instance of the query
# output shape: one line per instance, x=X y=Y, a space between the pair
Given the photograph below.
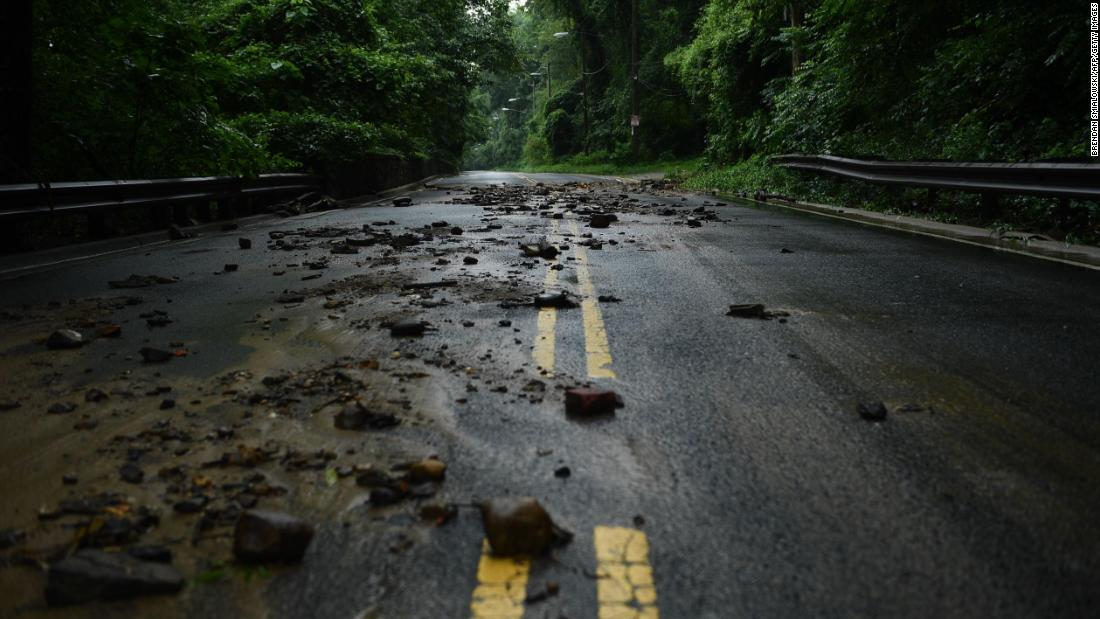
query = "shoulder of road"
x=1024 y=243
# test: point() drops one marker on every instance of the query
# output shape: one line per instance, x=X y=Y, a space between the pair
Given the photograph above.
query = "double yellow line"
x=596 y=347
x=624 y=588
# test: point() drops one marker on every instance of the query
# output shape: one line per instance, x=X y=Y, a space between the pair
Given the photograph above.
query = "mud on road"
x=161 y=419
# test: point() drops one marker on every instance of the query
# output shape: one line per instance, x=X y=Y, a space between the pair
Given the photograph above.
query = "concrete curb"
x=1077 y=255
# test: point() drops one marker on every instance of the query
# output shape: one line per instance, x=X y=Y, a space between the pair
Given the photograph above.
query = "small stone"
x=355 y=416
x=192 y=504
x=267 y=536
x=229 y=268
x=428 y=469
x=874 y=411
x=408 y=328
x=438 y=513
x=64 y=339
x=97 y=575
x=456 y=230
x=748 y=310
x=402 y=201
x=586 y=402
x=109 y=330
x=386 y=495
x=599 y=220
x=559 y=300
x=562 y=472
x=11 y=537
x=505 y=323
x=131 y=473
x=520 y=526
x=95 y=395
x=290 y=298
x=784 y=250
x=69 y=479
x=151 y=552
x=167 y=404
x=154 y=355
x=60 y=408
x=244 y=243
x=469 y=260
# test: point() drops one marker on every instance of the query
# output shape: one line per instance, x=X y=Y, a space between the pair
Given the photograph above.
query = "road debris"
x=408 y=328
x=92 y=574
x=64 y=339
x=541 y=249
x=755 y=310
x=428 y=469
x=873 y=411
x=142 y=281
x=559 y=300
x=155 y=355
x=356 y=416
x=520 y=526
x=262 y=536
x=586 y=402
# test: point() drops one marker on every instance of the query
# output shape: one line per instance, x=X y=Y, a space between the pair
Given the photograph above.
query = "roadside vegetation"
x=141 y=89
x=138 y=89
x=734 y=81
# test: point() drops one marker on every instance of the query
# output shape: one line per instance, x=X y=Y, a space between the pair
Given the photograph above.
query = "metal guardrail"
x=1052 y=180
x=29 y=200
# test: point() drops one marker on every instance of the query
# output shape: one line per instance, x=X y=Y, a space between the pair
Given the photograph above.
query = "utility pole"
x=635 y=119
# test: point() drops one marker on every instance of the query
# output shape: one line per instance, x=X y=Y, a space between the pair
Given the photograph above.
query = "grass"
x=599 y=166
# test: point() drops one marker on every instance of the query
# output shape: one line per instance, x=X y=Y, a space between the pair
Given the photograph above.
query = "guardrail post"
x=205 y=211
x=97 y=225
x=991 y=204
x=931 y=199
x=162 y=217
x=226 y=209
x=180 y=215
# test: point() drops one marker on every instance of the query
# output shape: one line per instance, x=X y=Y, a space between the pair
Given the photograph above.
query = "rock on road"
x=379 y=371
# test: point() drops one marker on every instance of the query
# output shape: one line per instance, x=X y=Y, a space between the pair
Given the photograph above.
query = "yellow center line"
x=597 y=350
x=501 y=588
x=543 y=353
x=624 y=589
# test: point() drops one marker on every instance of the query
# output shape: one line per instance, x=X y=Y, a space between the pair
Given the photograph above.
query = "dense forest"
x=963 y=80
x=148 y=88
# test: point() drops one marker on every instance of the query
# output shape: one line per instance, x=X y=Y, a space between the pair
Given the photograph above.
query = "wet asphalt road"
x=739 y=452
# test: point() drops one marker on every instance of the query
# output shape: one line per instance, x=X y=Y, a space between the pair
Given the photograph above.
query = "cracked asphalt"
x=738 y=480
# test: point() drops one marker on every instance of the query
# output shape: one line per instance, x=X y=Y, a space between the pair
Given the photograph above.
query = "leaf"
x=331 y=477
x=275 y=66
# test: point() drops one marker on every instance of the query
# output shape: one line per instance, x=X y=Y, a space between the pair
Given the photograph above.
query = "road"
x=739 y=467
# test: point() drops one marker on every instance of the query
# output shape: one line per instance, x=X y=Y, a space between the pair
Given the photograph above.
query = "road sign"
x=635 y=120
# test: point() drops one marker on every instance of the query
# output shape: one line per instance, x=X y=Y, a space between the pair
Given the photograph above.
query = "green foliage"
x=136 y=88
